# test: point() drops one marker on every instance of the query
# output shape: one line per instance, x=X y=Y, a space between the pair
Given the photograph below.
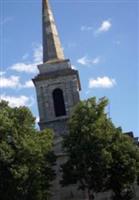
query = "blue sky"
x=99 y=37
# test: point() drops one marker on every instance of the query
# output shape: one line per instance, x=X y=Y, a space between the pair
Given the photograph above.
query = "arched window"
x=59 y=104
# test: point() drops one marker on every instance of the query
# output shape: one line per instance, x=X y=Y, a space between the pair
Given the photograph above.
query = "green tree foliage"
x=99 y=156
x=26 y=156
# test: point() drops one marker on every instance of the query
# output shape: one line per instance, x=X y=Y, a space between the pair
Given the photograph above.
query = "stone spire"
x=52 y=49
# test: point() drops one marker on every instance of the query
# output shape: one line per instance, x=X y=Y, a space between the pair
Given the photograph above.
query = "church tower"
x=57 y=84
x=57 y=87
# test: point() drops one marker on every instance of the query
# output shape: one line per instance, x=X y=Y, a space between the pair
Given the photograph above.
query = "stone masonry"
x=56 y=74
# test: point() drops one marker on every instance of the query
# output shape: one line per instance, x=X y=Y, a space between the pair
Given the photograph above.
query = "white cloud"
x=2 y=73
x=37 y=54
x=96 y=60
x=86 y=28
x=16 y=101
x=37 y=120
x=13 y=82
x=102 y=82
x=104 y=27
x=10 y=82
x=87 y=61
x=83 y=60
x=23 y=67
x=32 y=66
x=28 y=84
x=73 y=67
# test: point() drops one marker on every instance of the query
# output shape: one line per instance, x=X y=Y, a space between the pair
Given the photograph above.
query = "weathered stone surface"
x=68 y=82
x=59 y=76
x=51 y=43
x=56 y=73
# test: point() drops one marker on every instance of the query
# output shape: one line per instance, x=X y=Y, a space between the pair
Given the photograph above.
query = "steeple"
x=57 y=86
x=52 y=49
